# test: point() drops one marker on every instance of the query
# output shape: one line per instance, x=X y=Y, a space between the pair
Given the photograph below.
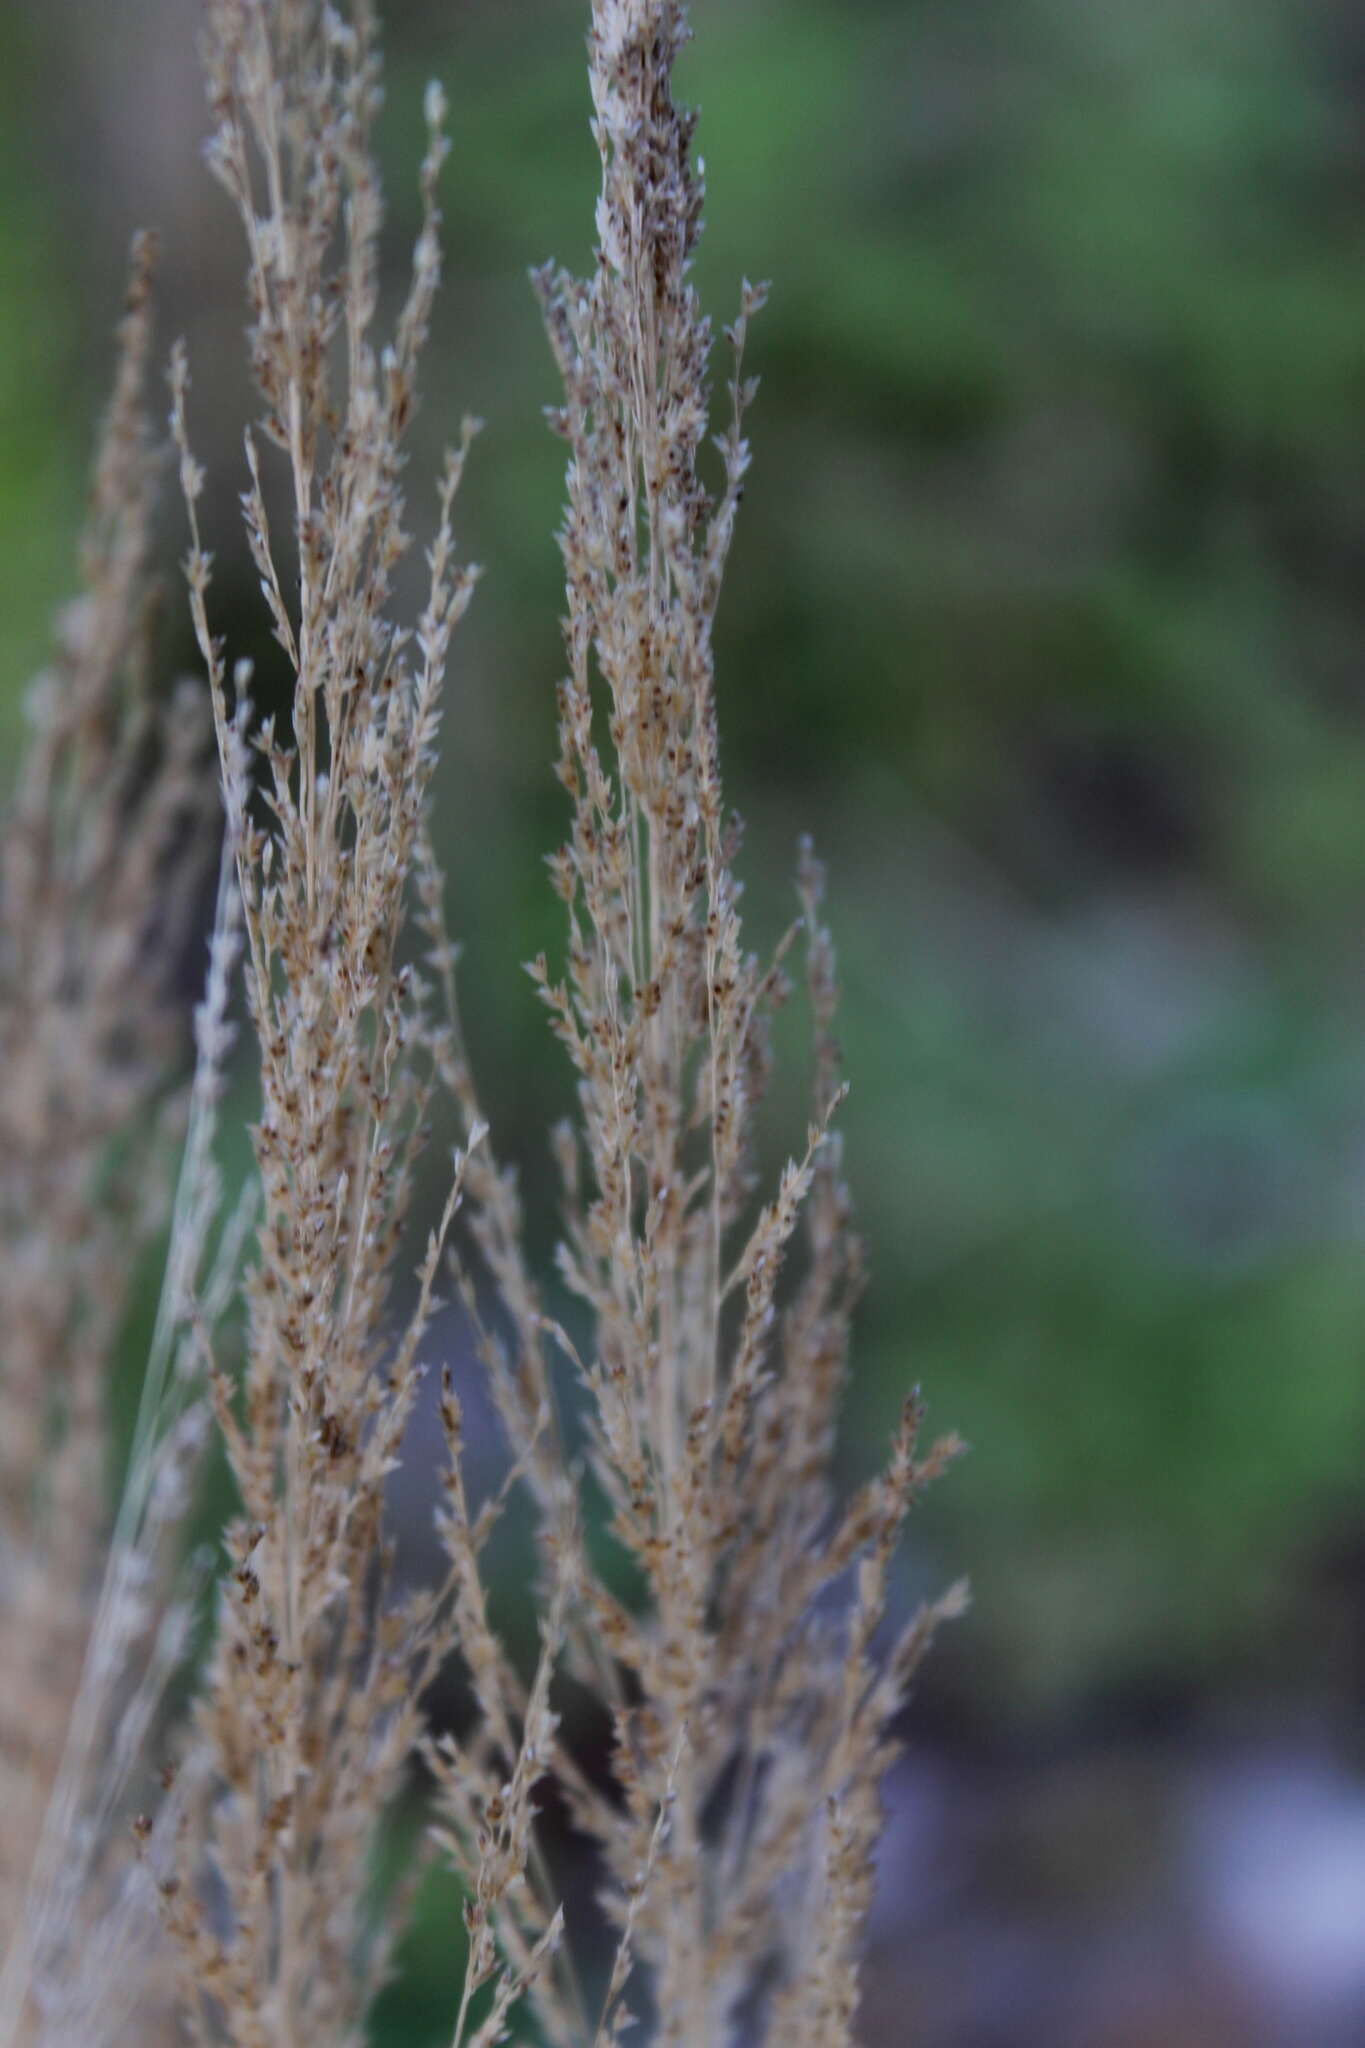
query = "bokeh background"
x=1047 y=617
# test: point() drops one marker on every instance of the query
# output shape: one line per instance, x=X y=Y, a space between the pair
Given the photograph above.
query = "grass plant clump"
x=688 y=1396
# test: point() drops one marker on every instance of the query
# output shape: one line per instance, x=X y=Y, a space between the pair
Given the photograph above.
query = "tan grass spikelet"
x=750 y=1698
x=309 y=1711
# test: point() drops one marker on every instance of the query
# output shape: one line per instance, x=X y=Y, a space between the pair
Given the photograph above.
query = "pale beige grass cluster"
x=310 y=1707
x=103 y=850
x=751 y=1680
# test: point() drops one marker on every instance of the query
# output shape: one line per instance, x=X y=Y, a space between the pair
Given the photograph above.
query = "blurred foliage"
x=41 y=444
x=1047 y=616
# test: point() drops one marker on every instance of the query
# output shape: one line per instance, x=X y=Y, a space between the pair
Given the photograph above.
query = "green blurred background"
x=1047 y=618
